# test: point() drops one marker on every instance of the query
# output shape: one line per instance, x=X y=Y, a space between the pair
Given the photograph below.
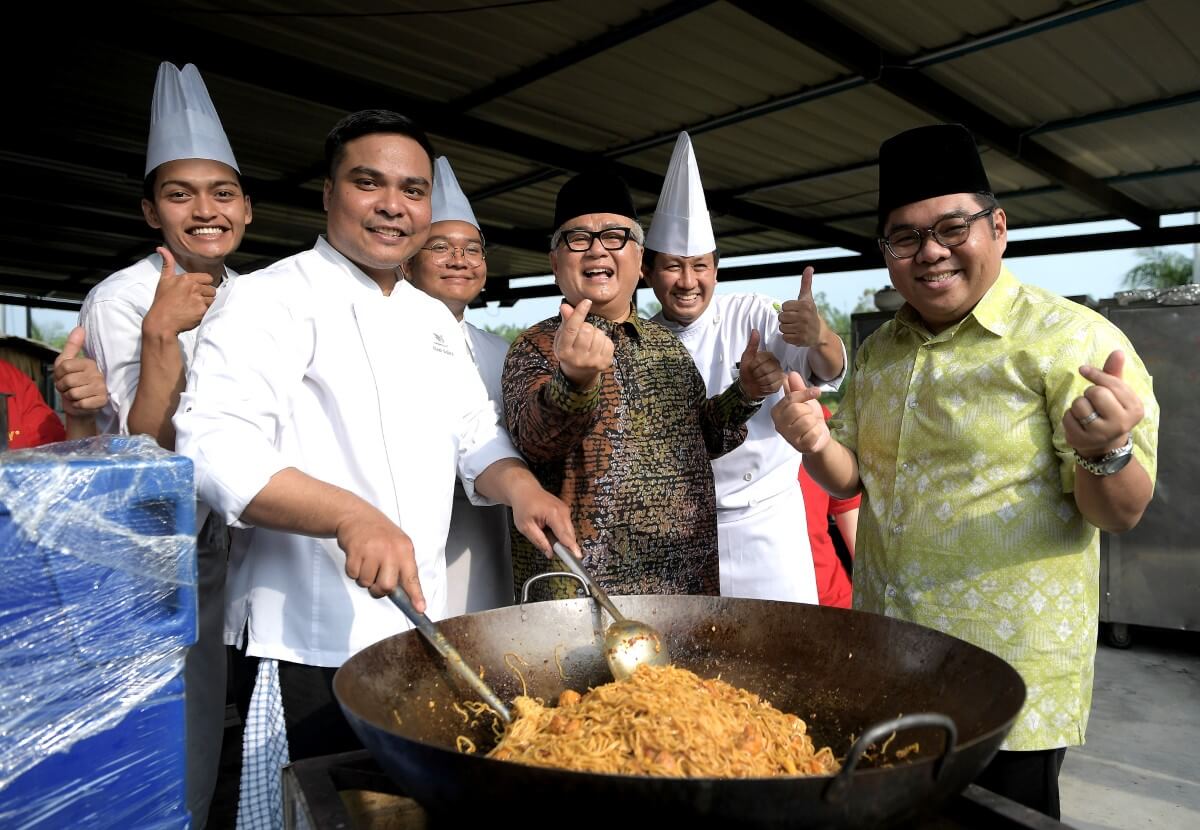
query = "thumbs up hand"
x=1102 y=417
x=759 y=373
x=77 y=379
x=799 y=320
x=798 y=417
x=180 y=300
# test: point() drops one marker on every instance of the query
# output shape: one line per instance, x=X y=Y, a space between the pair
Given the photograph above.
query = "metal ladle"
x=627 y=643
x=449 y=653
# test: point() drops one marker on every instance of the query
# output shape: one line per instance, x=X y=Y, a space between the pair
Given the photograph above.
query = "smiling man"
x=330 y=406
x=764 y=552
x=612 y=415
x=141 y=330
x=989 y=445
x=452 y=267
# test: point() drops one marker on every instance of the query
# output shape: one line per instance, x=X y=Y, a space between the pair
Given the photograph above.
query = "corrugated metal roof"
x=1084 y=110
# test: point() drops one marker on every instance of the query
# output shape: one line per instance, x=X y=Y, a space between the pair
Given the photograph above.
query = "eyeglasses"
x=472 y=252
x=611 y=239
x=949 y=233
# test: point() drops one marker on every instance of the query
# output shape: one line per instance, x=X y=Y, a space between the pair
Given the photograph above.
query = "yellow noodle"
x=558 y=662
x=664 y=721
x=512 y=657
x=465 y=745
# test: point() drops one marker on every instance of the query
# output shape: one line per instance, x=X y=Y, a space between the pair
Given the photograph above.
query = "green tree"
x=53 y=334
x=1159 y=269
x=508 y=331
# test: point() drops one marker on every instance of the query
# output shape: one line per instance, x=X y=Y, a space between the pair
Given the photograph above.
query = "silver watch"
x=1111 y=462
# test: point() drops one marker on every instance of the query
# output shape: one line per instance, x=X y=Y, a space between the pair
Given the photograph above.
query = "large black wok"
x=841 y=671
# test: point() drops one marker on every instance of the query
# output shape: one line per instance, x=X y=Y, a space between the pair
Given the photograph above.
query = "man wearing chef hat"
x=993 y=428
x=764 y=547
x=141 y=329
x=452 y=267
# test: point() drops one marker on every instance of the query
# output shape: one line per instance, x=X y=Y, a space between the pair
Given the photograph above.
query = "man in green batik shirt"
x=988 y=448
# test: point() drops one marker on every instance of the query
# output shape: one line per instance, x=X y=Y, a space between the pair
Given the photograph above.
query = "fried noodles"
x=663 y=721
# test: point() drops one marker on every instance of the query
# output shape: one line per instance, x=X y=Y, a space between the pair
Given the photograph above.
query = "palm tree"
x=1159 y=269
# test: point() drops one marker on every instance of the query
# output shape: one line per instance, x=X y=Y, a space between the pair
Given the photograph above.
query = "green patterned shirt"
x=968 y=521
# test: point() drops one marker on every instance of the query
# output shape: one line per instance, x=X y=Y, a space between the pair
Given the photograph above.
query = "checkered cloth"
x=264 y=753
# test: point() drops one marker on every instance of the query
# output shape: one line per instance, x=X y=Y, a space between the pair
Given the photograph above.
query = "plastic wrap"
x=97 y=609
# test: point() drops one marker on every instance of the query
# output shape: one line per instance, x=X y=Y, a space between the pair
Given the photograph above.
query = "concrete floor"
x=1140 y=767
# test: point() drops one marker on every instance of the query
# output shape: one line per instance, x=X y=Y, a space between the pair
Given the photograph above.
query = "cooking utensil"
x=627 y=643
x=449 y=653
x=841 y=671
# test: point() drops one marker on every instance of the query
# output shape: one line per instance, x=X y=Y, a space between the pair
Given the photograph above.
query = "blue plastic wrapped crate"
x=97 y=609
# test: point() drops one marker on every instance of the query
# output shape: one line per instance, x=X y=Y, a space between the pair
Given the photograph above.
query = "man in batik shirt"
x=989 y=445
x=612 y=415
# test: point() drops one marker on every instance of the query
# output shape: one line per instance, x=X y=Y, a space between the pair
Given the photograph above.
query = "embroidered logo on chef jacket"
x=440 y=345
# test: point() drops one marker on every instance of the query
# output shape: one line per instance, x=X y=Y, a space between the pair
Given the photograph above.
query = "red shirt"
x=31 y=422
x=833 y=583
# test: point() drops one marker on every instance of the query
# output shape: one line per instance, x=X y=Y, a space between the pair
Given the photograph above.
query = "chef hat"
x=183 y=121
x=926 y=162
x=681 y=225
x=593 y=191
x=449 y=202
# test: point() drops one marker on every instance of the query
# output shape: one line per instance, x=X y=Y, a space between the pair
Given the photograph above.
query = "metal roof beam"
x=647 y=22
x=306 y=80
x=828 y=36
x=804 y=95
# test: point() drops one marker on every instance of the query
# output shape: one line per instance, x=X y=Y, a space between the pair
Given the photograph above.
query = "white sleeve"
x=113 y=338
x=482 y=437
x=251 y=352
x=791 y=358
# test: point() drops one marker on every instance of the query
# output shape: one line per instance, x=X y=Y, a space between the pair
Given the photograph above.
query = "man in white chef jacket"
x=452 y=267
x=141 y=330
x=761 y=531
x=330 y=405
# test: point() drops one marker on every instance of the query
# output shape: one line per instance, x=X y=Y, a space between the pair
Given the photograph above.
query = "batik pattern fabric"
x=968 y=522
x=630 y=457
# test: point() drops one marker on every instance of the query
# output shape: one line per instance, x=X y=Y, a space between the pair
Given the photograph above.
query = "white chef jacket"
x=478 y=558
x=756 y=482
x=307 y=364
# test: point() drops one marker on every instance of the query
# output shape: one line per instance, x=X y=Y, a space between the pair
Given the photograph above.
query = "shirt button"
x=748 y=476
x=912 y=403
x=906 y=466
x=896 y=529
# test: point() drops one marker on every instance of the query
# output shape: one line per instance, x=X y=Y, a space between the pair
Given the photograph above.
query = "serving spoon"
x=453 y=659
x=627 y=643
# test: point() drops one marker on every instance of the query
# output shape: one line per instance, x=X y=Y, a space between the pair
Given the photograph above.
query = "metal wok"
x=841 y=671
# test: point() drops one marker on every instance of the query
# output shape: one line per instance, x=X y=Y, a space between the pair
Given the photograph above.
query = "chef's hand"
x=542 y=518
x=379 y=555
x=799 y=321
x=1102 y=417
x=180 y=300
x=78 y=379
x=798 y=417
x=759 y=373
x=583 y=351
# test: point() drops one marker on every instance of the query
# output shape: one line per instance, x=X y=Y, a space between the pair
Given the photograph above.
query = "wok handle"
x=576 y=567
x=840 y=786
x=449 y=653
x=536 y=578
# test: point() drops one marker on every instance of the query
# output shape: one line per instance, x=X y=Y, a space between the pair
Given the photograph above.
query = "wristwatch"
x=1111 y=462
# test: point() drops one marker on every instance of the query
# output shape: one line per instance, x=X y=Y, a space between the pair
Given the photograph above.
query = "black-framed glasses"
x=472 y=252
x=611 y=239
x=949 y=233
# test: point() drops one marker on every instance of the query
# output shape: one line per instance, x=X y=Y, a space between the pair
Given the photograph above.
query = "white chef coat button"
x=912 y=403
x=896 y=529
x=748 y=476
x=906 y=466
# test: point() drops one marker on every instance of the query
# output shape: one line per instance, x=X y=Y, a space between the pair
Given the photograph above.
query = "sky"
x=1099 y=274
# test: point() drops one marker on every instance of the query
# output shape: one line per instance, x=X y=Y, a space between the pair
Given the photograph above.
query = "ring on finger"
x=1087 y=419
